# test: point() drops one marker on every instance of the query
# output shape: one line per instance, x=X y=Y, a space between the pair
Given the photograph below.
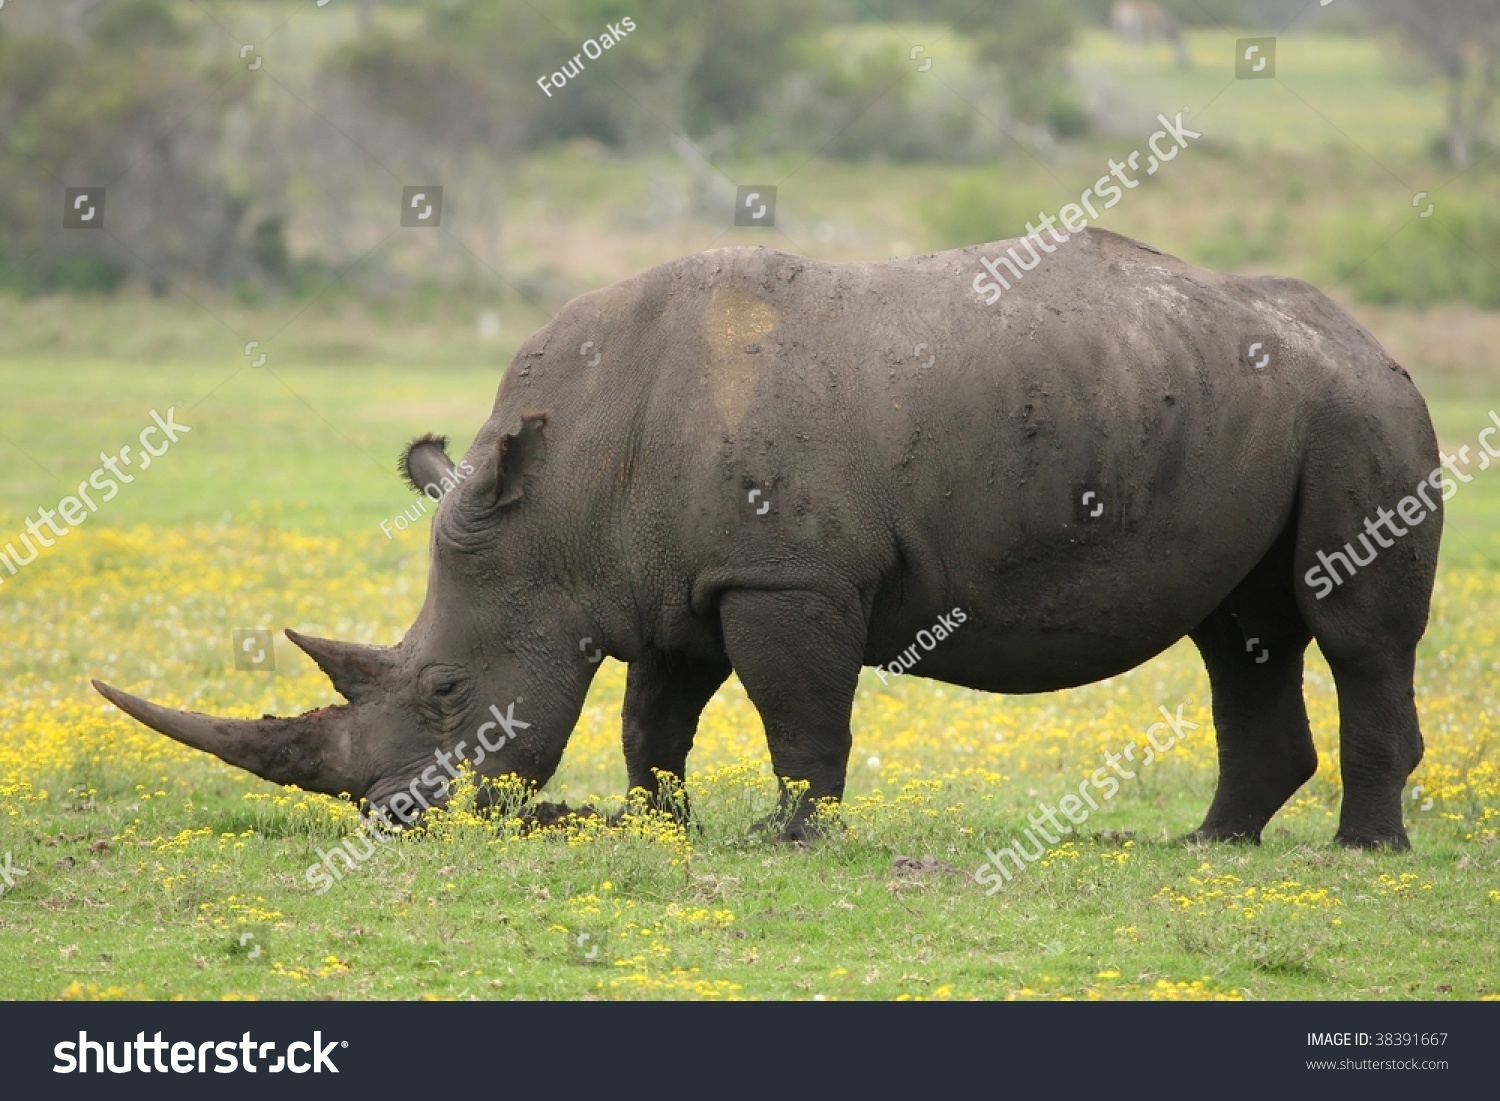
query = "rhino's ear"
x=516 y=456
x=426 y=467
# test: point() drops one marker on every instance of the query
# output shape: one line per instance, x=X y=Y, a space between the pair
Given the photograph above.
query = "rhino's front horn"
x=356 y=671
x=312 y=751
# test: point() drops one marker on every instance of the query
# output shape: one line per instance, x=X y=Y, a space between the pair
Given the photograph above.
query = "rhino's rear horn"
x=356 y=671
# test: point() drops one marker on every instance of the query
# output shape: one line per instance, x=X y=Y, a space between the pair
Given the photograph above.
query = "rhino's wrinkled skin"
x=743 y=460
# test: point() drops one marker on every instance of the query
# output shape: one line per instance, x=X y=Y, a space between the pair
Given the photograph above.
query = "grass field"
x=145 y=861
x=152 y=871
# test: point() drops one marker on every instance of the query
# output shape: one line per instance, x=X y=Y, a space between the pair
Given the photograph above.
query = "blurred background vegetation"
x=254 y=153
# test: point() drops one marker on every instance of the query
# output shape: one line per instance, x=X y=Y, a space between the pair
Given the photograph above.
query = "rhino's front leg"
x=664 y=696
x=798 y=654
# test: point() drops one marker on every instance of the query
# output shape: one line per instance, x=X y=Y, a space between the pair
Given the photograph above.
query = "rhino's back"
x=1100 y=433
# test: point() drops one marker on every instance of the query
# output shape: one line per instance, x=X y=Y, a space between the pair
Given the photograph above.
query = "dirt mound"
x=545 y=816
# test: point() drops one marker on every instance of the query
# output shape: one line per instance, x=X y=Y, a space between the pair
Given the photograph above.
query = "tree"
x=133 y=109
x=1027 y=42
x=471 y=77
x=1461 y=39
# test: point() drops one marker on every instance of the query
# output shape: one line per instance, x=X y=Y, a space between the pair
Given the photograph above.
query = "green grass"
x=467 y=915
x=467 y=920
x=290 y=440
x=1329 y=90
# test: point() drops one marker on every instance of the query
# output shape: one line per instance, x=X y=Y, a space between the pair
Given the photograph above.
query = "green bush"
x=1237 y=245
x=1188 y=13
x=67 y=274
x=978 y=207
x=1026 y=43
x=105 y=101
x=1453 y=255
x=857 y=107
x=1067 y=118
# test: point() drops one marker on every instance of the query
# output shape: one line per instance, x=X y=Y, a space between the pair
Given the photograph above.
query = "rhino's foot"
x=804 y=832
x=1395 y=842
x=776 y=827
x=805 y=825
x=1371 y=816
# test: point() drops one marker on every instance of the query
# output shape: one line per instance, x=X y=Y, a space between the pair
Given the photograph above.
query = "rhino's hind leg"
x=1253 y=645
x=1373 y=659
x=664 y=696
x=798 y=654
x=1381 y=744
x=1370 y=614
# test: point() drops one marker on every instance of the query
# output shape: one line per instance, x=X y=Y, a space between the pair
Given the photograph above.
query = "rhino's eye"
x=443 y=691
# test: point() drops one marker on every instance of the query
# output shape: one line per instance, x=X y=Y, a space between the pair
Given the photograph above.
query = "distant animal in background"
x=1145 y=22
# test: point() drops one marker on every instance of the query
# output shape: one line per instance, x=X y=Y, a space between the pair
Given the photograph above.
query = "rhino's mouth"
x=414 y=798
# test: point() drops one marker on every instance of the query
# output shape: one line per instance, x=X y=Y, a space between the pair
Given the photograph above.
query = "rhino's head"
x=489 y=674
